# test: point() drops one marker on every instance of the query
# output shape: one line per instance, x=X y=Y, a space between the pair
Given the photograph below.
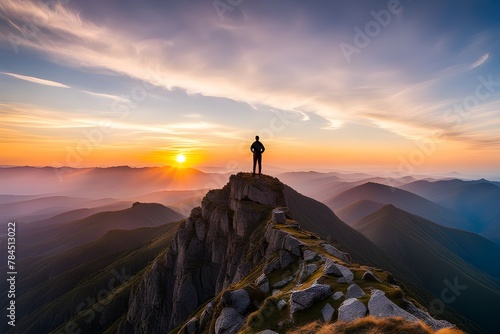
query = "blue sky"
x=203 y=77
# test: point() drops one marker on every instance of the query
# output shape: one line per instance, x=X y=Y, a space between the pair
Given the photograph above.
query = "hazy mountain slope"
x=404 y=200
x=477 y=201
x=27 y=210
x=72 y=281
x=118 y=182
x=438 y=255
x=354 y=212
x=61 y=237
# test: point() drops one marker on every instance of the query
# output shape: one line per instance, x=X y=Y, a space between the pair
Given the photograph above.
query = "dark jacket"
x=257 y=148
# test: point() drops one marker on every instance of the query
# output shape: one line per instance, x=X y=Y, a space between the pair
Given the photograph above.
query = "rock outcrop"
x=219 y=244
x=244 y=258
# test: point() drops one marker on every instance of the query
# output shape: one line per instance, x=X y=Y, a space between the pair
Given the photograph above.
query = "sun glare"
x=180 y=158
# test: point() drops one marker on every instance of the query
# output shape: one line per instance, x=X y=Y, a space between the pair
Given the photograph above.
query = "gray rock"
x=272 y=266
x=309 y=255
x=303 y=299
x=369 y=276
x=306 y=271
x=207 y=314
x=337 y=295
x=275 y=292
x=229 y=322
x=335 y=269
x=192 y=326
x=237 y=299
x=286 y=259
x=335 y=252
x=351 y=309
x=281 y=304
x=382 y=307
x=426 y=317
x=327 y=312
x=283 y=282
x=279 y=216
x=267 y=331
x=278 y=239
x=262 y=283
x=354 y=291
x=331 y=269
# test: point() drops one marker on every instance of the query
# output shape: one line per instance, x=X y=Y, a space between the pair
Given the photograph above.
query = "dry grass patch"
x=372 y=325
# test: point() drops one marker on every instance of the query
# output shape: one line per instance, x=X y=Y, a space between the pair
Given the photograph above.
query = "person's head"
x=257 y=138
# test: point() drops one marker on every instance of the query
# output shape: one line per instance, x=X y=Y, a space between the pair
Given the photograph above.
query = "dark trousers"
x=257 y=158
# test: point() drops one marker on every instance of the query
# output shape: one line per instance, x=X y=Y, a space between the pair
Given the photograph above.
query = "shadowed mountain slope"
x=441 y=257
x=354 y=212
x=56 y=238
x=93 y=280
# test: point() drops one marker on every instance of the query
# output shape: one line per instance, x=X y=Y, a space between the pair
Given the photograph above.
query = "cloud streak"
x=36 y=80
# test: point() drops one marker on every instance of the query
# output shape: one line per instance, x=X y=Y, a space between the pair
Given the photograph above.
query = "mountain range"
x=433 y=239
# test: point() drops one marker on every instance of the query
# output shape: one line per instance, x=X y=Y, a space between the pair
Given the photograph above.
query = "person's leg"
x=260 y=163
x=254 y=162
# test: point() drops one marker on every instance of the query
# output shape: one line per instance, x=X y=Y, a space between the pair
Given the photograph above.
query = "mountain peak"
x=242 y=253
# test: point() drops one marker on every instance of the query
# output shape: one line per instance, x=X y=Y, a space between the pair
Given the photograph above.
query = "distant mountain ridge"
x=402 y=199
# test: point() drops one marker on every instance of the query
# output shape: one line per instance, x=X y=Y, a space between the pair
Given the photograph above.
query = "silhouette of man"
x=257 y=148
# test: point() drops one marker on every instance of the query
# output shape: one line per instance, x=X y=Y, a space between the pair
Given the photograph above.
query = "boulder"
x=382 y=307
x=351 y=309
x=262 y=283
x=283 y=282
x=309 y=255
x=327 y=311
x=272 y=266
x=335 y=269
x=207 y=314
x=229 y=321
x=267 y=331
x=337 y=295
x=286 y=259
x=281 y=304
x=426 y=317
x=306 y=271
x=236 y=299
x=335 y=252
x=303 y=299
x=369 y=276
x=279 y=216
x=354 y=291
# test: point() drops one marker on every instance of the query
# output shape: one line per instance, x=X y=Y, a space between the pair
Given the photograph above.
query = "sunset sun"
x=180 y=158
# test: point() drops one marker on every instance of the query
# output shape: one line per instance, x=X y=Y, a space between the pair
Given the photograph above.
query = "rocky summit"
x=240 y=262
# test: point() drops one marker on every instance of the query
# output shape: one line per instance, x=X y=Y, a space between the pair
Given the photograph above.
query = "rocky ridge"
x=241 y=263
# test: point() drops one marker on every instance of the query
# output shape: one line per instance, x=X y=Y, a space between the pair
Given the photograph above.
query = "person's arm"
x=263 y=148
x=252 y=147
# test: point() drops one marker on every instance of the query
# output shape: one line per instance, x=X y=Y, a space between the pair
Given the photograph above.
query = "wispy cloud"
x=37 y=80
x=480 y=61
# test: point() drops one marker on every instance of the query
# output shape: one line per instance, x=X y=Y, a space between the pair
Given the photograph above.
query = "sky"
x=403 y=86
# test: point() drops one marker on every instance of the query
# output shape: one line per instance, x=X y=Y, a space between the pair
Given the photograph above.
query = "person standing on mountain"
x=257 y=148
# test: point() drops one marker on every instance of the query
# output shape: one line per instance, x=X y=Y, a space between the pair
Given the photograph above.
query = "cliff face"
x=242 y=252
x=220 y=243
